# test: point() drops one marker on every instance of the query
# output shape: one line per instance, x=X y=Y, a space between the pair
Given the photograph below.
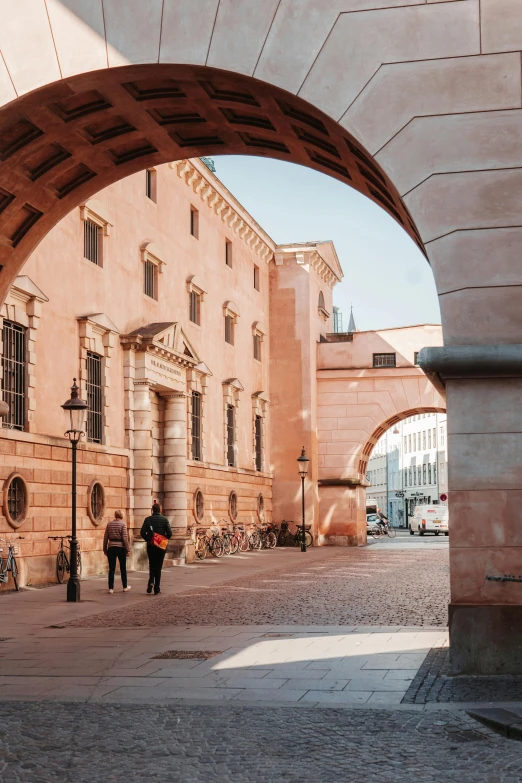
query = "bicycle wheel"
x=79 y=563
x=61 y=566
x=391 y=532
x=201 y=548
x=216 y=546
x=227 y=544
x=234 y=544
x=309 y=541
x=243 y=542
x=281 y=538
x=271 y=540
x=14 y=572
x=376 y=532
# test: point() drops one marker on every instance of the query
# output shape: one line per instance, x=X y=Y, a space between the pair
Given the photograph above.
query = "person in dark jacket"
x=156 y=523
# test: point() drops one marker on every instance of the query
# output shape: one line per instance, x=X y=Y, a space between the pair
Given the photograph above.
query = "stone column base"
x=180 y=551
x=485 y=639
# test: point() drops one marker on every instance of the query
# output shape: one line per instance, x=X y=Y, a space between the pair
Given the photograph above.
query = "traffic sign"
x=399 y=494
x=443 y=497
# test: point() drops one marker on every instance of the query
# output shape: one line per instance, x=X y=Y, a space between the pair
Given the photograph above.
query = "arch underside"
x=386 y=425
x=64 y=142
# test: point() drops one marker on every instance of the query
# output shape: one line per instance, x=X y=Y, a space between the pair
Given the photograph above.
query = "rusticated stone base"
x=326 y=540
x=485 y=639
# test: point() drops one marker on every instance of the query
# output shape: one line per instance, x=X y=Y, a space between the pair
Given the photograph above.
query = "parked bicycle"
x=230 y=540
x=286 y=538
x=242 y=537
x=208 y=541
x=9 y=565
x=63 y=565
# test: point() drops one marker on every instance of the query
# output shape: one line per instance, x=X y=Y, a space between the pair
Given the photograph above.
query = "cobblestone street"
x=269 y=667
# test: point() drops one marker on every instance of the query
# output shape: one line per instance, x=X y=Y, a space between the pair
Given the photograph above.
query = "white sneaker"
x=126 y=589
x=111 y=591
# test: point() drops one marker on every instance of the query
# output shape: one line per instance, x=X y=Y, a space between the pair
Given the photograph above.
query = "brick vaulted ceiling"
x=61 y=144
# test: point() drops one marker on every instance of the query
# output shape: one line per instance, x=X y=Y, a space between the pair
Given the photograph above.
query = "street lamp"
x=303 y=463
x=76 y=409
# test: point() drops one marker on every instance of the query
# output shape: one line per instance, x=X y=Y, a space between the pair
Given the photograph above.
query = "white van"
x=429 y=519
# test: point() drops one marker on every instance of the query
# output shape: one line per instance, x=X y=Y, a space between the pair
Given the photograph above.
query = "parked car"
x=372 y=521
x=430 y=519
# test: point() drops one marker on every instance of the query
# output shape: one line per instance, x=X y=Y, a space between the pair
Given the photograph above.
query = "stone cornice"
x=225 y=207
x=307 y=256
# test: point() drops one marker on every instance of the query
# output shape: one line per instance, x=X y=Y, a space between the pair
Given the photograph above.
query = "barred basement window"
x=195 y=307
x=259 y=442
x=199 y=505
x=92 y=242
x=14 y=374
x=231 y=436
x=150 y=279
x=15 y=500
x=232 y=506
x=384 y=360
x=96 y=507
x=196 y=425
x=94 y=398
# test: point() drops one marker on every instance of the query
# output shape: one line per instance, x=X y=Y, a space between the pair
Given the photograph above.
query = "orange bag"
x=159 y=541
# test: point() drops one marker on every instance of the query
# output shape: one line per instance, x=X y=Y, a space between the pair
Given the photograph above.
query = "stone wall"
x=45 y=465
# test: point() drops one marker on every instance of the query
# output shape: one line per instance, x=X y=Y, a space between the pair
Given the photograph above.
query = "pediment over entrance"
x=166 y=338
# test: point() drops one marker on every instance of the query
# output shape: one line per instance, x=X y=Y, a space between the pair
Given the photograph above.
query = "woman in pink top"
x=116 y=547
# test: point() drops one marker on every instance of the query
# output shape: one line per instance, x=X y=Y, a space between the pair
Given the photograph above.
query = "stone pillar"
x=175 y=461
x=142 y=447
x=484 y=389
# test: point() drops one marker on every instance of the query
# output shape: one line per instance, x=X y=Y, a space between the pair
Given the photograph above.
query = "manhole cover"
x=463 y=735
x=195 y=655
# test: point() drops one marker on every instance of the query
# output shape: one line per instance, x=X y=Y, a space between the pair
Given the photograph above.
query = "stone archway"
x=428 y=94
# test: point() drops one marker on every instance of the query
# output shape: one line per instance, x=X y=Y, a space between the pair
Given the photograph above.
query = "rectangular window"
x=405 y=445
x=231 y=435
x=257 y=347
x=150 y=184
x=429 y=473
x=150 y=279
x=196 y=425
x=415 y=357
x=415 y=476
x=259 y=442
x=410 y=477
x=94 y=397
x=256 y=277
x=195 y=307
x=414 y=441
x=434 y=472
x=405 y=477
x=424 y=439
x=92 y=242
x=228 y=253
x=424 y=473
x=435 y=437
x=229 y=329
x=409 y=442
x=384 y=360
x=14 y=374
x=194 y=222
x=419 y=474
x=429 y=439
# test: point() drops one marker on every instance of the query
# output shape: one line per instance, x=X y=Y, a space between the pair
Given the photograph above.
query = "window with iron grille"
x=384 y=360
x=94 y=398
x=256 y=277
x=259 y=442
x=150 y=279
x=14 y=374
x=17 y=499
x=196 y=425
x=231 y=435
x=257 y=347
x=229 y=329
x=194 y=222
x=194 y=307
x=228 y=253
x=92 y=242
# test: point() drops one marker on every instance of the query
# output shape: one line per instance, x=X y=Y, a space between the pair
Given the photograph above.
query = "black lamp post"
x=303 y=463
x=76 y=409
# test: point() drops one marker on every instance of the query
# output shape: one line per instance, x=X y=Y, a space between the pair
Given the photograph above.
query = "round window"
x=232 y=506
x=96 y=502
x=199 y=505
x=16 y=500
x=261 y=507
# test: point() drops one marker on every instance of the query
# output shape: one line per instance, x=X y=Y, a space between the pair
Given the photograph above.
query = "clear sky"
x=386 y=277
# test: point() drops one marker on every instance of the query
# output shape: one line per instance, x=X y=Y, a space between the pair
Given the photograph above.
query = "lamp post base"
x=303 y=547
x=73 y=590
